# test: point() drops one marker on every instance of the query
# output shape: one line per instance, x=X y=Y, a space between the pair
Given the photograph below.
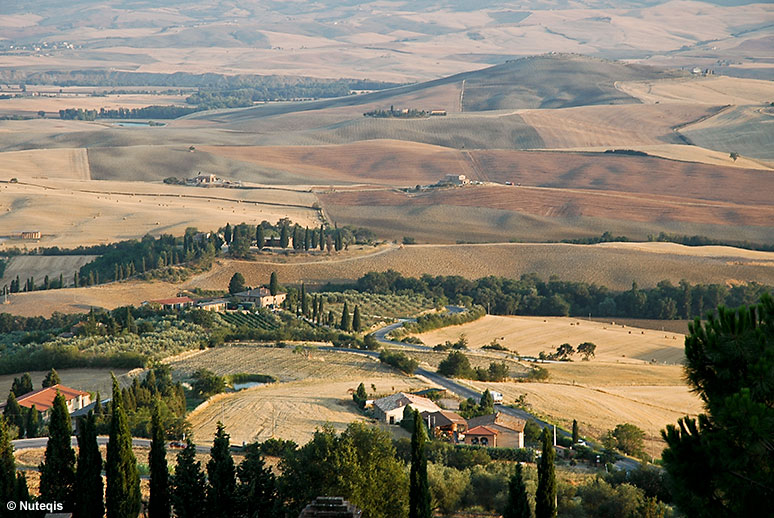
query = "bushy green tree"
x=722 y=464
x=221 y=476
x=189 y=485
x=629 y=439
x=236 y=284
x=22 y=385
x=88 y=479
x=122 y=495
x=51 y=379
x=57 y=471
x=158 y=504
x=419 y=489
x=487 y=402
x=545 y=496
x=518 y=502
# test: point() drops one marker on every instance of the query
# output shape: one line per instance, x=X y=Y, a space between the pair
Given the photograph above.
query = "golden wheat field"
x=532 y=335
x=614 y=267
x=292 y=410
x=41 y=266
x=718 y=91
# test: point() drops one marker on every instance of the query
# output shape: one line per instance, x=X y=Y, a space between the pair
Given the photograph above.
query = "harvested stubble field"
x=748 y=130
x=69 y=163
x=611 y=266
x=51 y=104
x=89 y=380
x=73 y=213
x=570 y=203
x=38 y=266
x=613 y=126
x=718 y=91
x=282 y=363
x=532 y=335
x=81 y=300
x=291 y=410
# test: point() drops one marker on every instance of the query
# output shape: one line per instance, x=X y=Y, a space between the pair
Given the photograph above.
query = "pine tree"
x=221 y=476
x=545 y=496
x=518 y=503
x=32 y=423
x=122 y=496
x=88 y=479
x=273 y=284
x=419 y=489
x=356 y=324
x=304 y=302
x=256 y=493
x=7 y=465
x=236 y=284
x=14 y=415
x=51 y=379
x=346 y=323
x=189 y=485
x=57 y=472
x=159 y=505
x=575 y=435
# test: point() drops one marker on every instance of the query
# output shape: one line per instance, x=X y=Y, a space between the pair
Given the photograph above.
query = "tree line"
x=145 y=112
x=530 y=295
x=695 y=240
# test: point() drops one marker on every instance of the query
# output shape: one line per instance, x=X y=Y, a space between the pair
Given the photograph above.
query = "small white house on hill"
x=390 y=409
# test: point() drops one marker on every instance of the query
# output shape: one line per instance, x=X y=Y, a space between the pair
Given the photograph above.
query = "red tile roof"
x=482 y=430
x=43 y=399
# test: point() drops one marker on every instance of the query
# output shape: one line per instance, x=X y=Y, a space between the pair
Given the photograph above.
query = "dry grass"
x=89 y=380
x=65 y=163
x=290 y=410
x=86 y=213
x=532 y=335
x=716 y=91
x=609 y=266
x=40 y=266
x=81 y=300
x=282 y=363
x=52 y=103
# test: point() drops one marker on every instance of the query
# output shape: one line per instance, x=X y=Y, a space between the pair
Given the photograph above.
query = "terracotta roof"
x=174 y=300
x=498 y=418
x=43 y=399
x=482 y=430
x=401 y=399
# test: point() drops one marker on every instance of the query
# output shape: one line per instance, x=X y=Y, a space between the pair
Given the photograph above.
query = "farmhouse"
x=445 y=424
x=390 y=409
x=27 y=234
x=454 y=179
x=510 y=430
x=330 y=507
x=482 y=436
x=173 y=303
x=262 y=297
x=216 y=305
x=43 y=399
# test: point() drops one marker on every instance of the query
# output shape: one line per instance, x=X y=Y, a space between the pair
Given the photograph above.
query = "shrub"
x=456 y=365
x=206 y=383
x=399 y=360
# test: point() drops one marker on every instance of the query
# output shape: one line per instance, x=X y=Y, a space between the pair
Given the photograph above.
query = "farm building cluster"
x=492 y=430
x=255 y=297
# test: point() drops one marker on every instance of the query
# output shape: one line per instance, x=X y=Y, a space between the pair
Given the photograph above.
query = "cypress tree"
x=7 y=465
x=57 y=471
x=21 y=493
x=321 y=311
x=51 y=379
x=98 y=405
x=22 y=385
x=32 y=423
x=122 y=496
x=307 y=239
x=159 y=504
x=545 y=497
x=304 y=302
x=298 y=243
x=88 y=479
x=284 y=236
x=322 y=238
x=61 y=285
x=260 y=239
x=356 y=324
x=346 y=323
x=518 y=503
x=575 y=436
x=130 y=324
x=273 y=284
x=14 y=415
x=315 y=309
x=227 y=233
x=256 y=494
x=221 y=476
x=189 y=485
x=419 y=489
